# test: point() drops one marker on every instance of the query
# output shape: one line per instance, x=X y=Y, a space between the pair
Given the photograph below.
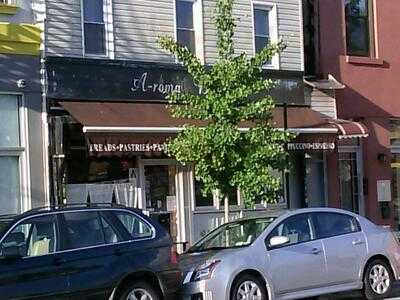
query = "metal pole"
x=285 y=125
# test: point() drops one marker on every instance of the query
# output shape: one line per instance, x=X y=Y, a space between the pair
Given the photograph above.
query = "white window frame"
x=108 y=31
x=22 y=152
x=273 y=29
x=197 y=27
x=142 y=163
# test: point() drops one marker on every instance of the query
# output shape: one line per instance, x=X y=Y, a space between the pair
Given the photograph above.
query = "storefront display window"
x=9 y=121
x=10 y=154
x=92 y=170
x=208 y=200
x=233 y=197
x=201 y=199
x=9 y=185
x=97 y=179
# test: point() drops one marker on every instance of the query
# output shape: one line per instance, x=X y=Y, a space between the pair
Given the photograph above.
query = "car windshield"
x=236 y=234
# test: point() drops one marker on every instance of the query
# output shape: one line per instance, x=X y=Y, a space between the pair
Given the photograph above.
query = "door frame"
x=360 y=172
x=142 y=163
x=394 y=150
x=184 y=196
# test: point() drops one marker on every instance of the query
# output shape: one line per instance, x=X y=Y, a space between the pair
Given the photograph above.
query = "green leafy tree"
x=232 y=95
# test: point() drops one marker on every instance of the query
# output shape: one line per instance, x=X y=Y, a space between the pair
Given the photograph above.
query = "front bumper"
x=204 y=290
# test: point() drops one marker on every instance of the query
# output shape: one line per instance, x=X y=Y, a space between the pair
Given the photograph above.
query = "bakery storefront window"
x=96 y=179
x=95 y=170
x=202 y=199
x=207 y=199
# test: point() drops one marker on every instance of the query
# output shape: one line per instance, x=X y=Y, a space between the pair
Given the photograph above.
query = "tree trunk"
x=226 y=219
x=226 y=209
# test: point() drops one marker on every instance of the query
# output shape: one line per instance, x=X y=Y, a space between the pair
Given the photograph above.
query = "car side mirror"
x=277 y=241
x=11 y=252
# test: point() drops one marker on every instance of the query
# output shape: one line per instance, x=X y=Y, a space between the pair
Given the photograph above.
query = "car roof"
x=160 y=231
x=279 y=214
x=75 y=207
x=321 y=209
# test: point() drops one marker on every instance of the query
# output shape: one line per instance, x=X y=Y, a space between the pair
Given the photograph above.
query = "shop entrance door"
x=160 y=194
x=160 y=187
x=166 y=195
x=315 y=180
x=350 y=178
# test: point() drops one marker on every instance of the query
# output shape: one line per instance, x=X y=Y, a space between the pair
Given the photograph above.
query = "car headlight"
x=205 y=271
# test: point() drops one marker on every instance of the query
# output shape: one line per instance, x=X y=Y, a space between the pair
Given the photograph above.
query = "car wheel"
x=249 y=287
x=140 y=291
x=378 y=280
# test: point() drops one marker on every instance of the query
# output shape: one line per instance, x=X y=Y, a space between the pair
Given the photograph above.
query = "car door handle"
x=59 y=261
x=118 y=252
x=316 y=251
x=358 y=242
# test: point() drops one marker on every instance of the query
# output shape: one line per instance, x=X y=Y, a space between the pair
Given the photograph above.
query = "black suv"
x=87 y=253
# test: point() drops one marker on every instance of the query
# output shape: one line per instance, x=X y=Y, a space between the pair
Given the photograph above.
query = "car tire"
x=140 y=288
x=239 y=287
x=378 y=280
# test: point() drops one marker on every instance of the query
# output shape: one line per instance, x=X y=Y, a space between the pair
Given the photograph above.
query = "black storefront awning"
x=133 y=81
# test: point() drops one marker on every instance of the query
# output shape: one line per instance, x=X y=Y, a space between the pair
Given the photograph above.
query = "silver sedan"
x=300 y=254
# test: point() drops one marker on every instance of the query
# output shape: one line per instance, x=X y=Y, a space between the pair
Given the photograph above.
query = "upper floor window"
x=358 y=27
x=261 y=28
x=185 y=31
x=94 y=27
x=265 y=29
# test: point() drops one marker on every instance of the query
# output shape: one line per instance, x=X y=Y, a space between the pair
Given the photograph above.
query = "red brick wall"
x=372 y=91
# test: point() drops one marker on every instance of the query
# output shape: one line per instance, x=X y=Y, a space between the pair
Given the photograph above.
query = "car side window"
x=333 y=224
x=82 y=229
x=33 y=237
x=111 y=235
x=136 y=227
x=297 y=229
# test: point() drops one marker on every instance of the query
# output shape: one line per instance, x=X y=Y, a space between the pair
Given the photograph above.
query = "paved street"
x=357 y=296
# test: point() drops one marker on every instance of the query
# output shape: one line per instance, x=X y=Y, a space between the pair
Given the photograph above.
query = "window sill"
x=359 y=60
x=270 y=67
x=8 y=9
x=96 y=56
